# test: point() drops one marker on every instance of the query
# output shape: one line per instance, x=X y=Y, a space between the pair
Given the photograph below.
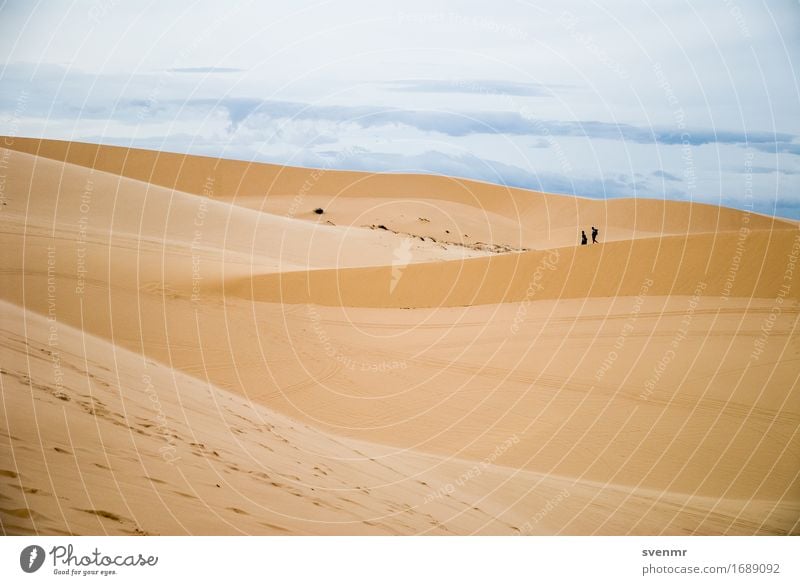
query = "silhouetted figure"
x=584 y=241
x=594 y=235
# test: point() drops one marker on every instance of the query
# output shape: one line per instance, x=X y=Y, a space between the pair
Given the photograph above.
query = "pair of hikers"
x=584 y=240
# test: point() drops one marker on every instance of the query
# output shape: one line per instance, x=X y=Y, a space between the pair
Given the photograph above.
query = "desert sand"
x=188 y=347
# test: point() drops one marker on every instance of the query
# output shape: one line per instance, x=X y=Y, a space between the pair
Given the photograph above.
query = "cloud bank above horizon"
x=666 y=100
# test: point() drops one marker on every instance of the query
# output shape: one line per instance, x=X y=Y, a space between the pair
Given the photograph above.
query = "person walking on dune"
x=594 y=235
x=583 y=238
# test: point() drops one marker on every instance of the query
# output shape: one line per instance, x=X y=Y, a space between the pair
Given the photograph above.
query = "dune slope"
x=97 y=440
x=676 y=265
x=496 y=214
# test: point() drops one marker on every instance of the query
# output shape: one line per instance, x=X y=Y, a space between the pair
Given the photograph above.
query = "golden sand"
x=188 y=348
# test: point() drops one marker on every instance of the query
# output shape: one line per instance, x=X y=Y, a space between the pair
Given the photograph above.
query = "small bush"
x=319 y=211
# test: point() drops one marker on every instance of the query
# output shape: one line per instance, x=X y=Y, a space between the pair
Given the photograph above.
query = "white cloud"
x=514 y=85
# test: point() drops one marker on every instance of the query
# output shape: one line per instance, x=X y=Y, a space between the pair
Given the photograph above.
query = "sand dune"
x=98 y=440
x=644 y=385
x=514 y=217
x=149 y=217
x=677 y=265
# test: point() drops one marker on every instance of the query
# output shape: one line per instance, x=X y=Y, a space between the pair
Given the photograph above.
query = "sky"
x=695 y=101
